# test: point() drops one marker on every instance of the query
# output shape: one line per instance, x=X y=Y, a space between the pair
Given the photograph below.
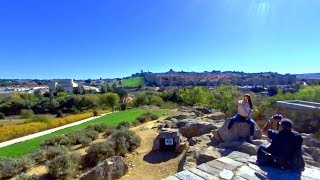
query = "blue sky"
x=115 y=38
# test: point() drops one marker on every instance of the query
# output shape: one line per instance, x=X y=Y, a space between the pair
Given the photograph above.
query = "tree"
x=224 y=98
x=193 y=95
x=110 y=99
x=25 y=113
x=272 y=90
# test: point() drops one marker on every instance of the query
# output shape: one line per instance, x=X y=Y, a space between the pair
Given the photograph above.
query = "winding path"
x=35 y=135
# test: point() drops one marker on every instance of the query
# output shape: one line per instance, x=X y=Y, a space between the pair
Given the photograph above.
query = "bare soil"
x=143 y=163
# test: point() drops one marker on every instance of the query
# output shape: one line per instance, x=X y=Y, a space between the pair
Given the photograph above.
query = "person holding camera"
x=285 y=149
x=272 y=124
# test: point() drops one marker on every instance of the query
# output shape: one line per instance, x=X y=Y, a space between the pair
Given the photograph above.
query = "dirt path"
x=148 y=165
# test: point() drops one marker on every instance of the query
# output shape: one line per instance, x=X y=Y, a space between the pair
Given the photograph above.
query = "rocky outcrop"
x=170 y=139
x=111 y=168
x=240 y=166
x=240 y=131
x=193 y=128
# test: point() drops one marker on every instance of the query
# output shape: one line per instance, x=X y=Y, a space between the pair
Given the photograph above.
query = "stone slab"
x=187 y=175
x=203 y=174
x=208 y=169
x=226 y=174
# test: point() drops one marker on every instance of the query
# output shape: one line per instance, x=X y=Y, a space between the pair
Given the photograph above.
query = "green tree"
x=26 y=113
x=110 y=99
x=224 y=99
x=193 y=95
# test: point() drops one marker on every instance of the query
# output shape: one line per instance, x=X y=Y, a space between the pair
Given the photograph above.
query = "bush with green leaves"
x=39 y=118
x=98 y=152
x=10 y=167
x=100 y=127
x=59 y=114
x=25 y=176
x=26 y=113
x=92 y=134
x=61 y=140
x=123 y=124
x=147 y=117
x=2 y=116
x=85 y=141
x=135 y=123
x=125 y=141
x=109 y=131
x=48 y=153
x=63 y=166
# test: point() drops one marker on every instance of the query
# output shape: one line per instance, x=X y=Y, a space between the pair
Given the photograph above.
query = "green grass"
x=133 y=82
x=26 y=147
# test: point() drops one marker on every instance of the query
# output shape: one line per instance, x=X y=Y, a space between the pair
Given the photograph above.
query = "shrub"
x=26 y=163
x=41 y=118
x=56 y=141
x=98 y=152
x=123 y=106
x=135 y=123
x=63 y=166
x=2 y=116
x=92 y=134
x=59 y=114
x=125 y=141
x=95 y=113
x=25 y=176
x=100 y=127
x=109 y=130
x=85 y=141
x=123 y=124
x=26 y=113
x=9 y=167
x=48 y=153
x=147 y=117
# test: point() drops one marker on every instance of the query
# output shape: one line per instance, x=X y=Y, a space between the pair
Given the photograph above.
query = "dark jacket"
x=286 y=145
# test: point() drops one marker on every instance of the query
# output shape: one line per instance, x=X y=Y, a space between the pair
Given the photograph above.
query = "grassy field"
x=133 y=82
x=26 y=147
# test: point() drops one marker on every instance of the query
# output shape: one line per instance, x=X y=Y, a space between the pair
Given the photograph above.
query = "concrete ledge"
x=299 y=105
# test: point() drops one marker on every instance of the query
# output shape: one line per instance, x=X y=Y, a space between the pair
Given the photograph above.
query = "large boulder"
x=111 y=168
x=244 y=147
x=194 y=127
x=216 y=116
x=207 y=154
x=239 y=131
x=170 y=139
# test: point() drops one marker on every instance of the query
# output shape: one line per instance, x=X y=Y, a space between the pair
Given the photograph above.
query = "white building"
x=66 y=85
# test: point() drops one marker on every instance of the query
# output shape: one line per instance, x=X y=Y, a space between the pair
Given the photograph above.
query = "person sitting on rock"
x=245 y=109
x=273 y=124
x=285 y=149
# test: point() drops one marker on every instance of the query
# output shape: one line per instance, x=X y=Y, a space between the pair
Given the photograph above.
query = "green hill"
x=133 y=82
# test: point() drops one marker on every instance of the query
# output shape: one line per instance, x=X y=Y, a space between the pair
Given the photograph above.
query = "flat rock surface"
x=234 y=167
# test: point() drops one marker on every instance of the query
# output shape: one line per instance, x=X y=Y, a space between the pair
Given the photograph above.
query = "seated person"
x=285 y=149
x=245 y=109
x=273 y=124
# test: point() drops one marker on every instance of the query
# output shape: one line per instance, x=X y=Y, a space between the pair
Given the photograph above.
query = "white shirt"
x=244 y=109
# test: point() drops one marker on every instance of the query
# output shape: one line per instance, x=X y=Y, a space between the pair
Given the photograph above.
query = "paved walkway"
x=240 y=166
x=35 y=135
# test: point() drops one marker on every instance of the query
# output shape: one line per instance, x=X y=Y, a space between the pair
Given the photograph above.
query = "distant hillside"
x=308 y=76
x=215 y=78
x=133 y=82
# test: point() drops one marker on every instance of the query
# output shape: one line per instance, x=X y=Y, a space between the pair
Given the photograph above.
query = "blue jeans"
x=239 y=118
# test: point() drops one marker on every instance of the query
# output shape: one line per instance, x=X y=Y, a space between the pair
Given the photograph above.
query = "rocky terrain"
x=215 y=154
